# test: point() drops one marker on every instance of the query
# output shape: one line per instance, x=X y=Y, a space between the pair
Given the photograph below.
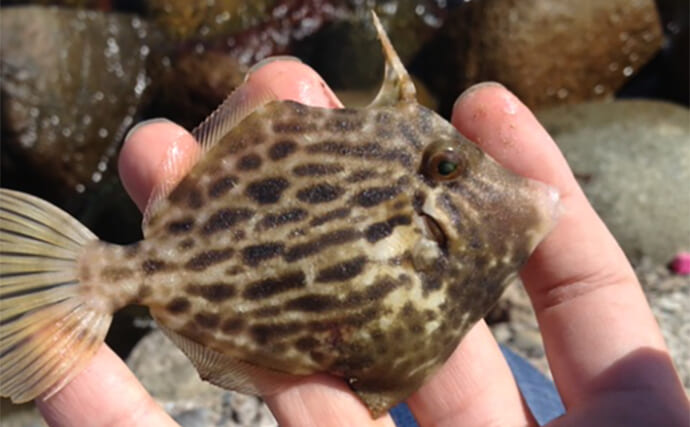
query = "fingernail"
x=139 y=125
x=267 y=61
x=474 y=88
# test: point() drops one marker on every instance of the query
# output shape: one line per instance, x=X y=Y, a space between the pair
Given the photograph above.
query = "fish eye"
x=443 y=162
x=446 y=167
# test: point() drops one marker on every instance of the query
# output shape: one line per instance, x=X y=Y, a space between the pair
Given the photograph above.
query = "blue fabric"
x=402 y=416
x=537 y=390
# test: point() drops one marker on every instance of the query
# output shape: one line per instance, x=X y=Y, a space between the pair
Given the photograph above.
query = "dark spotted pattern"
x=151 y=266
x=195 y=200
x=216 y=292
x=370 y=151
x=332 y=215
x=282 y=149
x=268 y=287
x=224 y=219
x=267 y=191
x=263 y=333
x=381 y=230
x=293 y=127
x=221 y=186
x=312 y=303
x=249 y=162
x=180 y=226
x=376 y=195
x=206 y=259
x=207 y=320
x=334 y=238
x=340 y=272
x=317 y=169
x=178 y=305
x=320 y=193
x=410 y=135
x=232 y=325
x=253 y=255
x=282 y=218
x=343 y=124
x=361 y=175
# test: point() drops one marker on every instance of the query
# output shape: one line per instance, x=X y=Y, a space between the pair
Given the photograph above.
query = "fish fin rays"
x=237 y=106
x=397 y=86
x=242 y=102
x=228 y=372
x=48 y=329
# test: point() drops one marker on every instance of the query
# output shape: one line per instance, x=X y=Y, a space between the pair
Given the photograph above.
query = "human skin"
x=604 y=347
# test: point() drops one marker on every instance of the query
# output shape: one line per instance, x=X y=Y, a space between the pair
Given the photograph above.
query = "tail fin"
x=47 y=330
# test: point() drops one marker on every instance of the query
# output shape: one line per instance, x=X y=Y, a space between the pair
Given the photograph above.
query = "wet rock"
x=183 y=20
x=190 y=84
x=172 y=380
x=632 y=159
x=248 y=31
x=547 y=52
x=72 y=83
x=347 y=53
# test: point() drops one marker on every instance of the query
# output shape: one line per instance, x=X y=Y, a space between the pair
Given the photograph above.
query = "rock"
x=548 y=52
x=190 y=85
x=72 y=83
x=184 y=20
x=347 y=53
x=24 y=415
x=632 y=158
x=668 y=296
x=247 y=31
x=172 y=380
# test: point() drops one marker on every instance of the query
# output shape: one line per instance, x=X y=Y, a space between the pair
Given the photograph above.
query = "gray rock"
x=172 y=380
x=24 y=415
x=72 y=83
x=632 y=159
x=668 y=296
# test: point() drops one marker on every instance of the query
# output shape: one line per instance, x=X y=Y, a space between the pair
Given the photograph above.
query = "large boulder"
x=632 y=159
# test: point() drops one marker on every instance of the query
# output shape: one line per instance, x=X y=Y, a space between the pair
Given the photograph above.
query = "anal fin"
x=228 y=372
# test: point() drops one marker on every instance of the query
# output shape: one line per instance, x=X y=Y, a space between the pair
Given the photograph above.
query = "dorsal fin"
x=397 y=85
x=238 y=105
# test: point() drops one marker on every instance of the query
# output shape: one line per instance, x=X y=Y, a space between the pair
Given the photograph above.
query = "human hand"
x=606 y=352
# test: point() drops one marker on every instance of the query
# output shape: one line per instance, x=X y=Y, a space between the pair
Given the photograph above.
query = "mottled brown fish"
x=361 y=243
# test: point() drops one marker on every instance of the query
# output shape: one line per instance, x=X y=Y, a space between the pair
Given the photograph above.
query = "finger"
x=470 y=386
x=589 y=304
x=152 y=145
x=319 y=400
x=148 y=148
x=106 y=393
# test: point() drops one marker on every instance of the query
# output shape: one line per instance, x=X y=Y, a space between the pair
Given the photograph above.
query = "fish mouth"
x=433 y=230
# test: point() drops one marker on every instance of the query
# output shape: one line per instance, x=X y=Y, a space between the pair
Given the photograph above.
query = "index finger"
x=598 y=330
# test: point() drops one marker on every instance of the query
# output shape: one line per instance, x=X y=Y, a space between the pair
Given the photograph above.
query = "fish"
x=361 y=243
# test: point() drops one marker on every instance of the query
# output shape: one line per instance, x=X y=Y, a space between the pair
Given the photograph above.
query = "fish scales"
x=361 y=243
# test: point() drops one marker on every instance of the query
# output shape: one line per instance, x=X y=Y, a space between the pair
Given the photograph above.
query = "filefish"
x=359 y=243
